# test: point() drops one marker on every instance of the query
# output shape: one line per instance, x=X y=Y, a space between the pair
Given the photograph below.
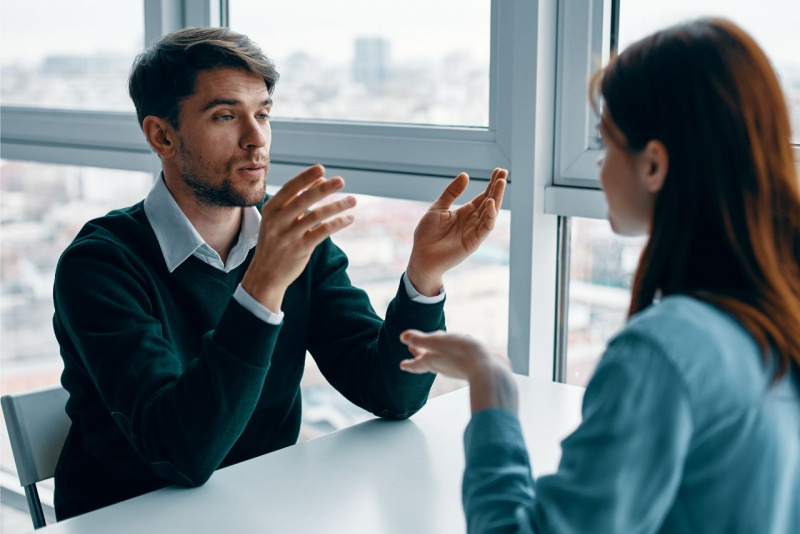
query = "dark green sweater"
x=170 y=378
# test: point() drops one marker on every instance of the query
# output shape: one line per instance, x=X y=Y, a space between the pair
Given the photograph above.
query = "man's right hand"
x=289 y=233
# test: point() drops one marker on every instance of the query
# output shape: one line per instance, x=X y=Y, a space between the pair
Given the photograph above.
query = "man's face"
x=224 y=137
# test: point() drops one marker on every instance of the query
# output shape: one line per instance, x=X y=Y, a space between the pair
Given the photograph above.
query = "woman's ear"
x=161 y=136
x=654 y=165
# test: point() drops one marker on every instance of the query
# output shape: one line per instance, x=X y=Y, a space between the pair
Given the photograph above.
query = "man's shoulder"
x=122 y=231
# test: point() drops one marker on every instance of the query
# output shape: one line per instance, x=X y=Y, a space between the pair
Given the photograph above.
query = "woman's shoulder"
x=708 y=347
x=678 y=309
x=683 y=319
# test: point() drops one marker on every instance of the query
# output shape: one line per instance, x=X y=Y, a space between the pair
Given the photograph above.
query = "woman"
x=691 y=422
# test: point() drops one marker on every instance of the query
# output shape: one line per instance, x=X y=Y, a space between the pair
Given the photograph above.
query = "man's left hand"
x=444 y=237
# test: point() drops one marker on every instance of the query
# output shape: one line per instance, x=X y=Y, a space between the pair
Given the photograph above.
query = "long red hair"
x=726 y=224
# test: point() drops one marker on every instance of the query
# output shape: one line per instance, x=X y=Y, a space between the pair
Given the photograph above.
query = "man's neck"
x=218 y=226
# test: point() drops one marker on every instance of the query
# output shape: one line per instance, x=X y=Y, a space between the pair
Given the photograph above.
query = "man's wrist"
x=268 y=295
x=426 y=283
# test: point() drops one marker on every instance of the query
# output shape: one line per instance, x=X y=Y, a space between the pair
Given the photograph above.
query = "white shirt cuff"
x=416 y=296
x=250 y=304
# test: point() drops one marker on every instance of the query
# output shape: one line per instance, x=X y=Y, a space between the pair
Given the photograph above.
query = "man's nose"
x=254 y=135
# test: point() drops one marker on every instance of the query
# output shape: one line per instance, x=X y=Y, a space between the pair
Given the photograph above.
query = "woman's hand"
x=489 y=374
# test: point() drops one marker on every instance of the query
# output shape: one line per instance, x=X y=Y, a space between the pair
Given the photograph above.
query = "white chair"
x=37 y=428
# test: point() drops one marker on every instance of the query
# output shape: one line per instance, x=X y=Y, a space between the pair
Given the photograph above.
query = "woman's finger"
x=440 y=342
x=418 y=365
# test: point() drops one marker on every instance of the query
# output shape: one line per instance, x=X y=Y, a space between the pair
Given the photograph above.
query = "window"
x=378 y=245
x=586 y=29
x=363 y=88
x=42 y=208
x=772 y=23
x=601 y=273
x=64 y=58
x=409 y=155
x=601 y=264
x=375 y=61
x=502 y=115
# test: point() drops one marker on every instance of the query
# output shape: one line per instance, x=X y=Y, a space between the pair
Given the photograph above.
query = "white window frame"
x=576 y=186
x=389 y=160
x=540 y=128
x=580 y=50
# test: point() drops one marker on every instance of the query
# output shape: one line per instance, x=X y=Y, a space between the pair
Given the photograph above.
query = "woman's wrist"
x=492 y=386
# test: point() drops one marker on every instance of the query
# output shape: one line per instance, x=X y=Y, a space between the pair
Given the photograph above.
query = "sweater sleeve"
x=620 y=470
x=181 y=418
x=356 y=351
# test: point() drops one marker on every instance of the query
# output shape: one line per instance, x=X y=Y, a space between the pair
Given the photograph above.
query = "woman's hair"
x=726 y=223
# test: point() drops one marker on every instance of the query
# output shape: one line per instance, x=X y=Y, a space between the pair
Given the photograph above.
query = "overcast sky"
x=31 y=29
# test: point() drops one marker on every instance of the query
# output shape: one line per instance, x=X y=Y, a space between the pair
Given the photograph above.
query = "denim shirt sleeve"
x=620 y=470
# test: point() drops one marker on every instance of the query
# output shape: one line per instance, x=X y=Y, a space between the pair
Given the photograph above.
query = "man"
x=184 y=320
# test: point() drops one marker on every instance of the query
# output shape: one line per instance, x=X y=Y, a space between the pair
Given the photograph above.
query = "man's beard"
x=224 y=195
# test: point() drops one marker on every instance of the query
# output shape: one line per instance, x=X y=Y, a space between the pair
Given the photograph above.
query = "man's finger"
x=499 y=191
x=322 y=213
x=452 y=192
x=496 y=196
x=480 y=199
x=488 y=219
x=303 y=202
x=321 y=232
x=294 y=186
x=500 y=188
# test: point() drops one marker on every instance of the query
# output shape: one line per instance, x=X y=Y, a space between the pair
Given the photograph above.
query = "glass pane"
x=69 y=54
x=601 y=272
x=378 y=245
x=42 y=208
x=773 y=23
x=375 y=61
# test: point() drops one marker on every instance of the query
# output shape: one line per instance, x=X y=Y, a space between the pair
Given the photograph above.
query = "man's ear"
x=161 y=136
x=654 y=165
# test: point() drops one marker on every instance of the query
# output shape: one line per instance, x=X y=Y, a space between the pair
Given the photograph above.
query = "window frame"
x=575 y=190
x=553 y=167
x=519 y=137
x=580 y=46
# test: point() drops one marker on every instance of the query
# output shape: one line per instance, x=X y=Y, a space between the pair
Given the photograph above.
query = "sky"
x=775 y=24
x=324 y=27
x=32 y=29
x=328 y=28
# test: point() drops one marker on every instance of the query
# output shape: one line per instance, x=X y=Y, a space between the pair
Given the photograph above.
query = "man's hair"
x=164 y=74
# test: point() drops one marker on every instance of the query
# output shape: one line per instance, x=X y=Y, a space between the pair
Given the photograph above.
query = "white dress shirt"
x=179 y=239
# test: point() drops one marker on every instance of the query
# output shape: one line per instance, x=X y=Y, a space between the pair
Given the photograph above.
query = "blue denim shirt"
x=682 y=431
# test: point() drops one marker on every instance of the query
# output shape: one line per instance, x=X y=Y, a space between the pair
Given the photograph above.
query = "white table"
x=376 y=477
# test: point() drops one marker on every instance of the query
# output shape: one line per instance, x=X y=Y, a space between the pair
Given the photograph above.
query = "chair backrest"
x=37 y=428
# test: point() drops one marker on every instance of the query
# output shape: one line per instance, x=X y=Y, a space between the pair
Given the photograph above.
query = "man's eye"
x=263 y=116
x=224 y=117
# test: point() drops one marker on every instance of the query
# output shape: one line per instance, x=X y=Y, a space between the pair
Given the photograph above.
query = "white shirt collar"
x=179 y=239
